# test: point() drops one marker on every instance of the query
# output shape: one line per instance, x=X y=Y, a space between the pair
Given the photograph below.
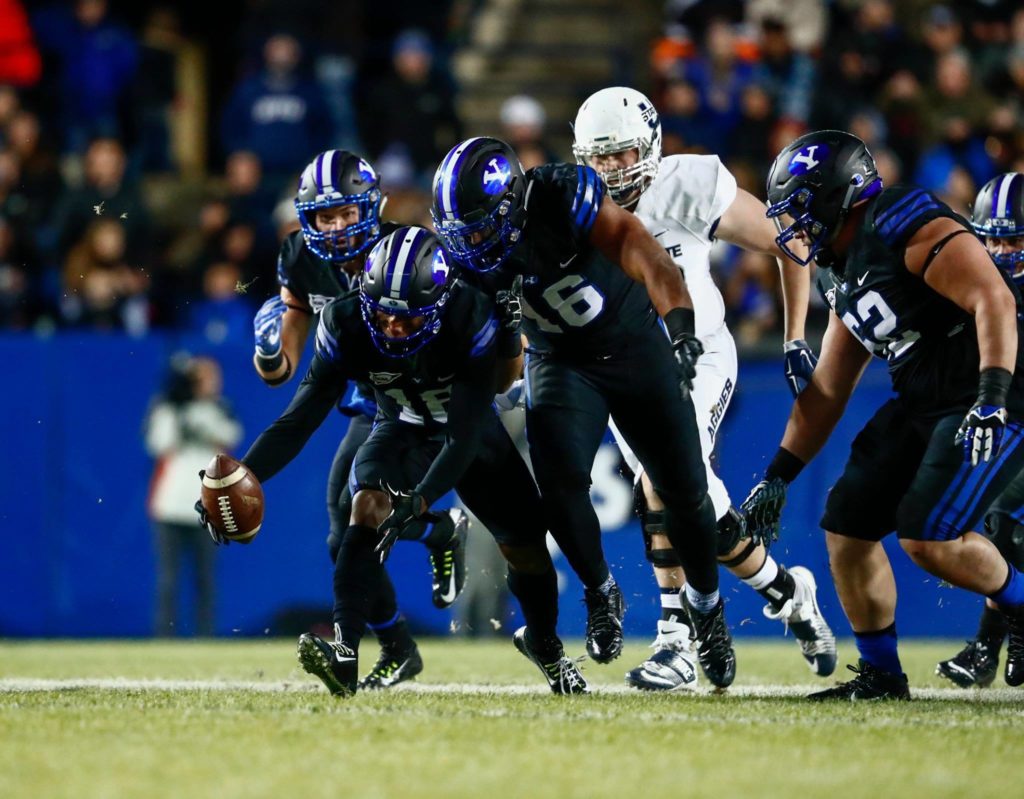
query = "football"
x=233 y=499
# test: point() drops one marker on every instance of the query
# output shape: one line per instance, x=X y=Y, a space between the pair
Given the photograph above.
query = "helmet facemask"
x=998 y=216
x=792 y=217
x=355 y=239
x=626 y=184
x=485 y=244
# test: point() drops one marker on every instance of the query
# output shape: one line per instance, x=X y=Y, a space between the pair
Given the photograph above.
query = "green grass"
x=284 y=737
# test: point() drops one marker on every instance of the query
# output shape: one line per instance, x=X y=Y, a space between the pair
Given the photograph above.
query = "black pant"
x=339 y=498
x=568 y=404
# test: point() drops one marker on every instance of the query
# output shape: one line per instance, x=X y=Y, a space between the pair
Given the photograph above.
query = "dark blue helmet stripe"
x=317 y=172
x=995 y=196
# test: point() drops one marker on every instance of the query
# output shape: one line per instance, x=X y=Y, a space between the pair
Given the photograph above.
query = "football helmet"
x=479 y=203
x=999 y=214
x=406 y=275
x=614 y=120
x=812 y=185
x=333 y=179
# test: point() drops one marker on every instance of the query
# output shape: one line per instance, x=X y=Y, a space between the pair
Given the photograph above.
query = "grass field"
x=240 y=719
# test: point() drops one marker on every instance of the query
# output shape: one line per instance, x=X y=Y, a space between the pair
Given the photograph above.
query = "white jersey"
x=680 y=209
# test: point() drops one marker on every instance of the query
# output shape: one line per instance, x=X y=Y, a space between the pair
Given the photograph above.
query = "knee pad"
x=664 y=558
x=652 y=522
x=1008 y=536
x=732 y=528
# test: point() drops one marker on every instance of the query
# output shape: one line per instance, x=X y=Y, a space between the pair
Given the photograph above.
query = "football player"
x=338 y=202
x=592 y=277
x=686 y=202
x=907 y=281
x=428 y=346
x=998 y=218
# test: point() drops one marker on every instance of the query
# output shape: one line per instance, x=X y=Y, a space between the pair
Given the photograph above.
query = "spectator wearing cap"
x=412 y=110
x=522 y=125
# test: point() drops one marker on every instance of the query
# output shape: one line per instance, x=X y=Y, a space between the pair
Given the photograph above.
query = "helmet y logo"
x=496 y=175
x=805 y=161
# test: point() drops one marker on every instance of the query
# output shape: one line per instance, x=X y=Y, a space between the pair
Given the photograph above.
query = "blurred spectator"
x=40 y=177
x=96 y=59
x=749 y=290
x=185 y=427
x=19 y=301
x=280 y=114
x=223 y=313
x=106 y=191
x=750 y=141
x=805 y=20
x=20 y=63
x=155 y=88
x=101 y=290
x=412 y=110
x=684 y=128
x=249 y=199
x=786 y=74
x=522 y=125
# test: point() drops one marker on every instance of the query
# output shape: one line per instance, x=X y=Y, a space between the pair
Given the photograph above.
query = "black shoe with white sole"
x=335 y=664
x=563 y=675
x=392 y=667
x=448 y=562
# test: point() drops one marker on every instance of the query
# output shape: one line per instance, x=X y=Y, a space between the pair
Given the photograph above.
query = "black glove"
x=799 y=364
x=982 y=430
x=204 y=518
x=405 y=506
x=763 y=508
x=509 y=305
x=687 y=347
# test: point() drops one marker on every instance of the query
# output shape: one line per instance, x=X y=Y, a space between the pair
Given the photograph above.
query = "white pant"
x=712 y=391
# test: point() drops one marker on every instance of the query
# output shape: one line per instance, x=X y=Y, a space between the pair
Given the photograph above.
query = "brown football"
x=233 y=499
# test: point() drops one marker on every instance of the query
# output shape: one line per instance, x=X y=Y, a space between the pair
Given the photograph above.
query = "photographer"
x=186 y=425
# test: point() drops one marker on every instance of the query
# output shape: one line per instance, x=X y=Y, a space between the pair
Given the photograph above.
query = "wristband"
x=993 y=386
x=680 y=322
x=268 y=365
x=785 y=465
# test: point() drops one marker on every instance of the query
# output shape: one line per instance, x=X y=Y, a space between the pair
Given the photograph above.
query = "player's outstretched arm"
x=281 y=328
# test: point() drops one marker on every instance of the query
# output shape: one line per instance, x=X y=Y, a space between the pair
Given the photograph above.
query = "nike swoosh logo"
x=391 y=680
x=449 y=595
x=860 y=280
x=341 y=659
x=660 y=233
x=564 y=265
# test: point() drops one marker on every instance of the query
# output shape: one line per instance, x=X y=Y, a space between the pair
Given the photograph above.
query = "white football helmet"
x=614 y=120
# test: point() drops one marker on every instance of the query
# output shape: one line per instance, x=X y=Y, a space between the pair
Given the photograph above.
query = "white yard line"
x=26 y=684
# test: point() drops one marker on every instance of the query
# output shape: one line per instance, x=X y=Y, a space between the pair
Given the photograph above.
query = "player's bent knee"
x=369 y=508
x=932 y=556
x=529 y=559
x=664 y=558
x=732 y=530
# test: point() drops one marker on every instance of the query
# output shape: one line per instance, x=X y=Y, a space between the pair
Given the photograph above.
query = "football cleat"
x=974 y=666
x=448 y=562
x=335 y=664
x=672 y=667
x=392 y=667
x=871 y=683
x=604 y=623
x=563 y=675
x=714 y=645
x=1015 y=648
x=802 y=615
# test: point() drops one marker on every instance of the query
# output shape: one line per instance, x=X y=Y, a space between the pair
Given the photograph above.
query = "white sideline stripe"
x=224 y=482
x=11 y=685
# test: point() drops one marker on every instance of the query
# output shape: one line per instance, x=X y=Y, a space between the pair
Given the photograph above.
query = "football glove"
x=981 y=433
x=799 y=361
x=204 y=518
x=688 y=349
x=762 y=509
x=267 y=327
x=405 y=506
x=509 y=305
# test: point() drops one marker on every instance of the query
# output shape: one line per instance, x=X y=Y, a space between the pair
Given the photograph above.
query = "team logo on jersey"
x=439 y=268
x=497 y=175
x=318 y=301
x=366 y=172
x=383 y=378
x=808 y=158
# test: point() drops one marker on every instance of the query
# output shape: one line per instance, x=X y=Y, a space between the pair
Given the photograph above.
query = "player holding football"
x=907 y=281
x=686 y=202
x=998 y=218
x=338 y=202
x=590 y=274
x=428 y=346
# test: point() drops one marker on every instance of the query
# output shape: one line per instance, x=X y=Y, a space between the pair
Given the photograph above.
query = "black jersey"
x=446 y=387
x=575 y=301
x=929 y=342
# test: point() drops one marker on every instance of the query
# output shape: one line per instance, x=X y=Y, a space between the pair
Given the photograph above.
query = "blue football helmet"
x=812 y=185
x=998 y=217
x=479 y=198
x=336 y=178
x=406 y=275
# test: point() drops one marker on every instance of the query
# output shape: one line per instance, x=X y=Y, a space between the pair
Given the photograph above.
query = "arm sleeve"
x=472 y=395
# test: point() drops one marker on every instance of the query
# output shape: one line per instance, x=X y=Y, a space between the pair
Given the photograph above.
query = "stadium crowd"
x=107 y=222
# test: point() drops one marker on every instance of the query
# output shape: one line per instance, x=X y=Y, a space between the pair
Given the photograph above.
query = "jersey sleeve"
x=565 y=196
x=696 y=189
x=902 y=210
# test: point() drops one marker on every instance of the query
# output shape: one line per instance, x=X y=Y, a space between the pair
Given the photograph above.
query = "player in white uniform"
x=686 y=202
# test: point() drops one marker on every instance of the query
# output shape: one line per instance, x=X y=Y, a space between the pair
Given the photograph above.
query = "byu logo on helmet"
x=366 y=171
x=807 y=159
x=496 y=175
x=439 y=268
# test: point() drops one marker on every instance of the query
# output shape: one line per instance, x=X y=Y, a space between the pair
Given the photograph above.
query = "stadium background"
x=934 y=88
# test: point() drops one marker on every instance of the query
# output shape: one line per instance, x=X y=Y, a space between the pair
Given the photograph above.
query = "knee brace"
x=732 y=528
x=652 y=522
x=1008 y=536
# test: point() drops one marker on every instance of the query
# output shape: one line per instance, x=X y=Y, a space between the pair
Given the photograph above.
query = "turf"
x=240 y=719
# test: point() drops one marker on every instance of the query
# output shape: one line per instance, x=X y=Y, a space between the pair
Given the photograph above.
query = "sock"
x=992 y=628
x=537 y=595
x=1011 y=595
x=358 y=574
x=672 y=606
x=436 y=534
x=393 y=634
x=702 y=603
x=879 y=649
x=607 y=586
x=773 y=582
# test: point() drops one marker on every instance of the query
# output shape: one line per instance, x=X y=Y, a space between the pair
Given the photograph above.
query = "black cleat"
x=393 y=666
x=1015 y=648
x=563 y=675
x=974 y=666
x=604 y=623
x=714 y=645
x=448 y=562
x=335 y=664
x=871 y=683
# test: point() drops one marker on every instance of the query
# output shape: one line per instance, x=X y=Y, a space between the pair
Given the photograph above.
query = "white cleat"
x=802 y=615
x=672 y=667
